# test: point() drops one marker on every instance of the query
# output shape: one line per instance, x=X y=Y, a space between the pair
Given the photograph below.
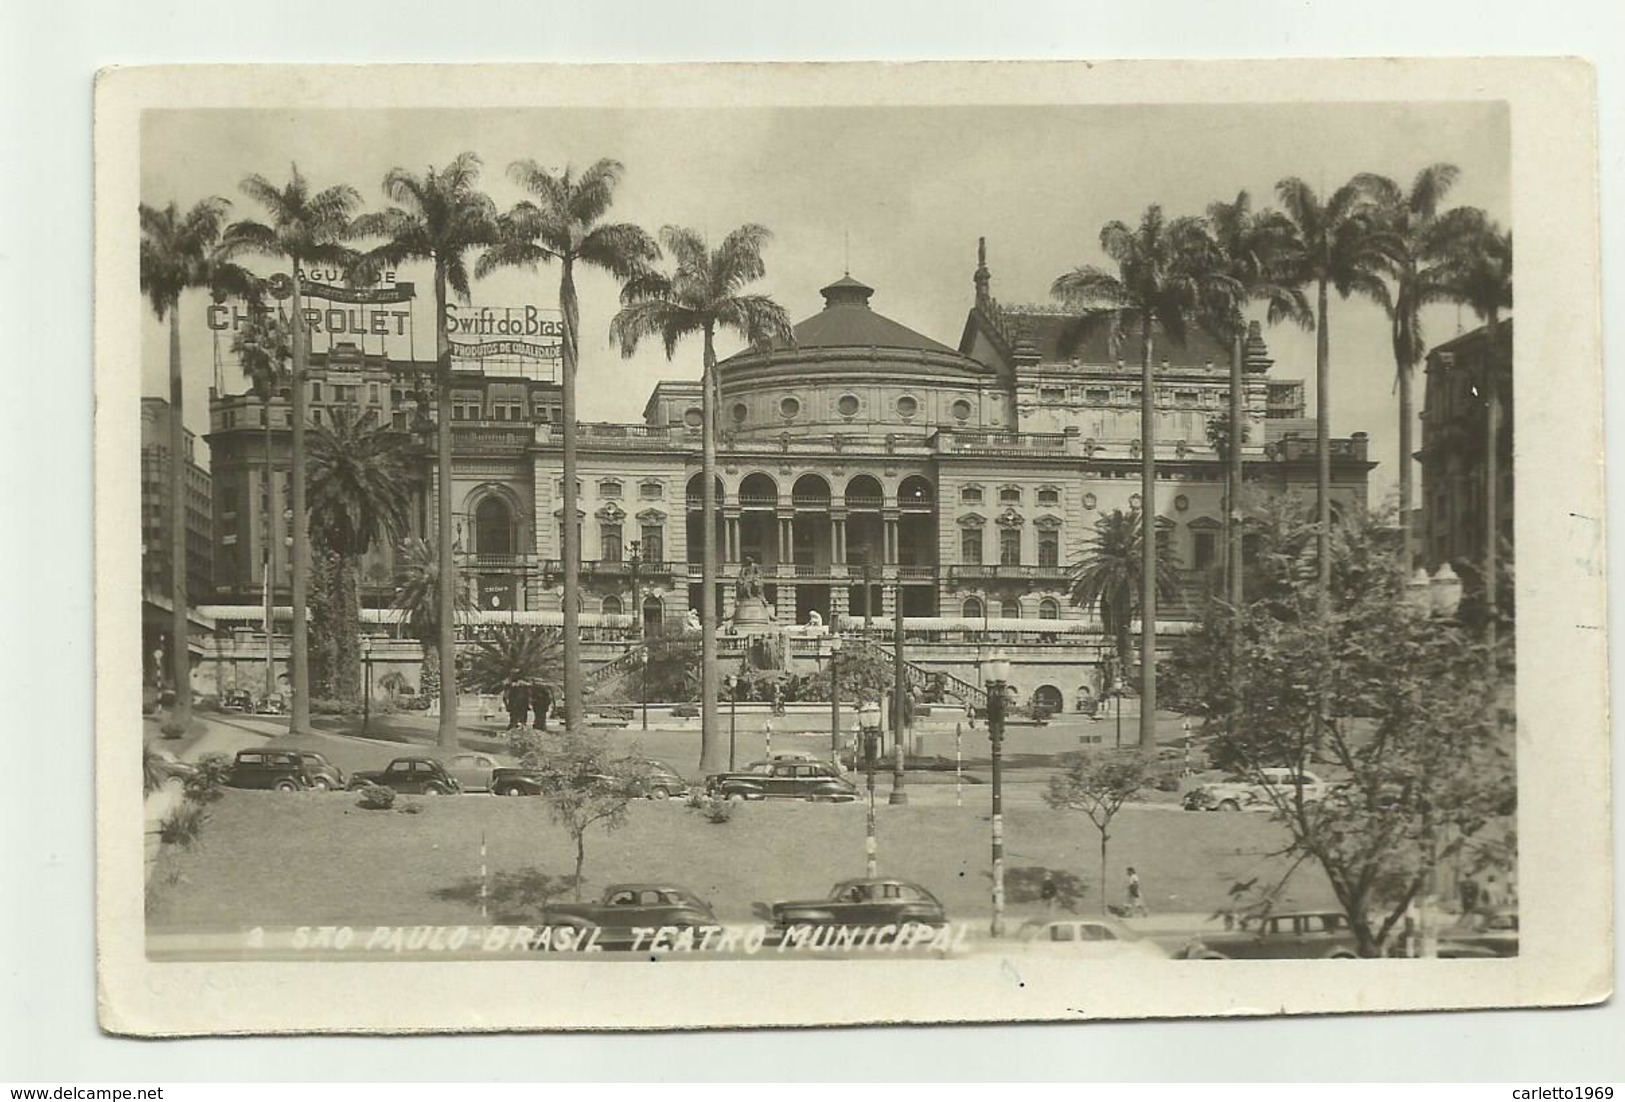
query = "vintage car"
x=280 y=770
x=473 y=771
x=1256 y=794
x=410 y=776
x=640 y=778
x=1291 y=935
x=623 y=909
x=324 y=775
x=1085 y=939
x=237 y=700
x=864 y=902
x=783 y=780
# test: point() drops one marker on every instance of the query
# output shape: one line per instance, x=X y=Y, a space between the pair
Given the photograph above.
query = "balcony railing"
x=613 y=568
x=1006 y=572
x=492 y=438
x=864 y=501
x=983 y=442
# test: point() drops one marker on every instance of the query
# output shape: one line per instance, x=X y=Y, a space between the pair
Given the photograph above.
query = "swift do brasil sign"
x=523 y=332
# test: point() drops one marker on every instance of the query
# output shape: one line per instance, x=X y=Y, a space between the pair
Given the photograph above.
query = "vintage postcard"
x=721 y=546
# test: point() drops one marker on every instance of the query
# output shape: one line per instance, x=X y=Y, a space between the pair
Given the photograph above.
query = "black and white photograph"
x=756 y=546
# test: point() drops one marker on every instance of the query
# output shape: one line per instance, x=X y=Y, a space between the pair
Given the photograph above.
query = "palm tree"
x=1475 y=258
x=1337 y=243
x=182 y=252
x=516 y=655
x=1245 y=246
x=359 y=494
x=263 y=351
x=1165 y=270
x=1411 y=219
x=1107 y=578
x=565 y=223
x=438 y=217
x=701 y=295
x=303 y=227
x=417 y=598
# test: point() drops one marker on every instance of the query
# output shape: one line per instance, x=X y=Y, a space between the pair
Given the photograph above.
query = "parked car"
x=410 y=776
x=625 y=907
x=1494 y=930
x=1255 y=794
x=269 y=706
x=324 y=775
x=863 y=902
x=639 y=778
x=783 y=780
x=237 y=700
x=473 y=771
x=1292 y=935
x=168 y=767
x=1086 y=939
x=281 y=770
x=686 y=711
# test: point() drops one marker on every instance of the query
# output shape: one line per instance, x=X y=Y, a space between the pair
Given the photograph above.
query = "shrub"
x=183 y=826
x=377 y=797
x=527 y=743
x=208 y=784
x=328 y=706
x=714 y=809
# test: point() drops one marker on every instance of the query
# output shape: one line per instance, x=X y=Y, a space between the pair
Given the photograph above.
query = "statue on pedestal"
x=751 y=611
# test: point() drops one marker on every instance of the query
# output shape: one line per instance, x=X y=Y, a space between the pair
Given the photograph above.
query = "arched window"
x=1010 y=609
x=611 y=606
x=972 y=609
x=1049 y=609
x=493 y=527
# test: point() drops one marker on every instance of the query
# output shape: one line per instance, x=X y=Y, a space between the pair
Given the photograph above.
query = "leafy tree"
x=1336 y=242
x=438 y=217
x=1245 y=245
x=417 y=598
x=1107 y=578
x=865 y=674
x=359 y=489
x=702 y=294
x=1421 y=756
x=518 y=655
x=564 y=222
x=302 y=227
x=585 y=788
x=1099 y=785
x=1164 y=271
x=181 y=252
x=670 y=670
x=1418 y=240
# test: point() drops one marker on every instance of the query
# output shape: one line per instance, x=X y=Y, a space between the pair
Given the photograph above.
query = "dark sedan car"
x=1288 y=936
x=863 y=902
x=783 y=780
x=410 y=776
x=280 y=770
x=324 y=775
x=626 y=909
x=640 y=778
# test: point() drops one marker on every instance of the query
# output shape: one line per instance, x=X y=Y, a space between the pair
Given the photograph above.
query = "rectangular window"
x=1010 y=547
x=610 y=538
x=1098 y=396
x=315 y=392
x=1049 y=496
x=372 y=393
x=654 y=543
x=1049 y=548
x=1052 y=393
x=315 y=416
x=1206 y=548
x=970 y=547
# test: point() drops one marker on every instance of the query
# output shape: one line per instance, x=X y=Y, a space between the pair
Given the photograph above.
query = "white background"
x=48 y=52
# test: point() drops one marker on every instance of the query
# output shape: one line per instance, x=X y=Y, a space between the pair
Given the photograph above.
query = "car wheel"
x=510 y=790
x=1229 y=805
x=286 y=785
x=736 y=797
x=322 y=784
x=658 y=792
x=1343 y=954
x=433 y=790
x=1209 y=954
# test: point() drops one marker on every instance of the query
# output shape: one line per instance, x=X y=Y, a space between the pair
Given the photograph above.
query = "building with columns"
x=864 y=464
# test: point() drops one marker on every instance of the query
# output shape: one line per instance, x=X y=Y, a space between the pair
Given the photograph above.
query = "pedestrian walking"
x=1136 y=900
x=1047 y=892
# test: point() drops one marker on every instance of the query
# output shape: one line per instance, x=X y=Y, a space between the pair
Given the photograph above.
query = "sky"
x=898 y=196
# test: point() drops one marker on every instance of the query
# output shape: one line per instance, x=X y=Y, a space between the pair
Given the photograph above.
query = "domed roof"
x=846 y=321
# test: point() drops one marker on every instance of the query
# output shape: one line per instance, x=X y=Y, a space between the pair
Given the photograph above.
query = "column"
x=891 y=541
x=837 y=529
x=731 y=538
x=785 y=606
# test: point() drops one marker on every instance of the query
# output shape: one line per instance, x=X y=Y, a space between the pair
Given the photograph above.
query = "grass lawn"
x=317 y=858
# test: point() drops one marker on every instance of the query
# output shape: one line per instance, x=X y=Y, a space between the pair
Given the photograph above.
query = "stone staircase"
x=918 y=676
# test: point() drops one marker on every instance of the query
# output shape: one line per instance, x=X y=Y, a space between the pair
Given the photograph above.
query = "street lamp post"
x=634 y=562
x=366 y=695
x=835 y=700
x=899 y=698
x=869 y=728
x=998 y=675
x=732 y=684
